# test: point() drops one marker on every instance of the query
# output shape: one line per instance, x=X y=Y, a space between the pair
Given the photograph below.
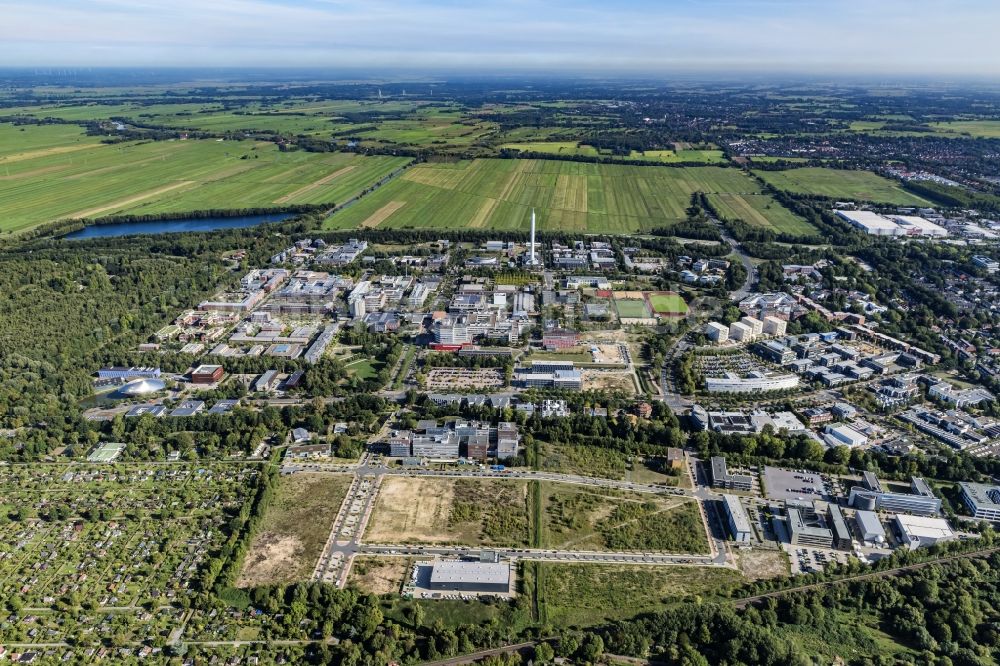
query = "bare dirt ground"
x=410 y=510
x=380 y=575
x=603 y=380
x=382 y=214
x=761 y=564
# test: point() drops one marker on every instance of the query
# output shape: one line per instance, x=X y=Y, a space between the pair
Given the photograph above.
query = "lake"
x=174 y=226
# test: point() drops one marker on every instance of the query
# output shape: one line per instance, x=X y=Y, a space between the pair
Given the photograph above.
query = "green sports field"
x=96 y=180
x=667 y=303
x=570 y=196
x=842 y=184
x=631 y=308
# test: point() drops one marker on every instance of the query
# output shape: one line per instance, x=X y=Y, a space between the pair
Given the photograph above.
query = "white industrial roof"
x=492 y=573
x=867 y=219
x=926 y=226
x=924 y=527
x=869 y=523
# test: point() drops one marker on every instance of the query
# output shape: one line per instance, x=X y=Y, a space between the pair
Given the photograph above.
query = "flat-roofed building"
x=870 y=527
x=207 y=374
x=740 y=332
x=464 y=576
x=716 y=332
x=871 y=223
x=982 y=500
x=871 y=498
x=804 y=530
x=841 y=533
x=721 y=478
x=736 y=517
x=922 y=531
x=756 y=325
x=774 y=326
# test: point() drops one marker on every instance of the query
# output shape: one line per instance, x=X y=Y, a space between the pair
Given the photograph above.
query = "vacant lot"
x=567 y=196
x=295 y=528
x=760 y=564
x=588 y=594
x=841 y=184
x=604 y=519
x=95 y=180
x=450 y=511
x=379 y=575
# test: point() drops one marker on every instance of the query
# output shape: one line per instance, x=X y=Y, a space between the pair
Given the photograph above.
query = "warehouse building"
x=871 y=223
x=844 y=435
x=460 y=576
x=982 y=500
x=736 y=517
x=921 y=531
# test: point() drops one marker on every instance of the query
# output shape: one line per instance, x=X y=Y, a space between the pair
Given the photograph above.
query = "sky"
x=943 y=38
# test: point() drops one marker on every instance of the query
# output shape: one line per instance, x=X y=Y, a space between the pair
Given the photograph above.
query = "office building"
x=838 y=526
x=982 y=500
x=740 y=332
x=872 y=498
x=756 y=325
x=721 y=478
x=806 y=529
x=736 y=517
x=206 y=374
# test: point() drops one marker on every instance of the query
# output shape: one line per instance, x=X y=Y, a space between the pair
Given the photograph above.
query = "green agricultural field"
x=760 y=210
x=984 y=129
x=98 y=180
x=589 y=594
x=841 y=184
x=568 y=196
x=554 y=148
x=18 y=143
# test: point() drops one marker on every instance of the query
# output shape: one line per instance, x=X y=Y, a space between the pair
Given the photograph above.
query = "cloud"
x=641 y=36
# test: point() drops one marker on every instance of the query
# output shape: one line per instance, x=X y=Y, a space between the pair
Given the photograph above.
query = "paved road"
x=540 y=555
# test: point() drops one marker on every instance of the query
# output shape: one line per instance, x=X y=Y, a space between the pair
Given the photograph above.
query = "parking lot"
x=808 y=560
x=790 y=484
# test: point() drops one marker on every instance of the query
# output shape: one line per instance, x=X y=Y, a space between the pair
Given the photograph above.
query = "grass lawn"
x=366 y=368
x=842 y=184
x=572 y=148
x=567 y=196
x=588 y=594
x=294 y=529
x=553 y=148
x=98 y=180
